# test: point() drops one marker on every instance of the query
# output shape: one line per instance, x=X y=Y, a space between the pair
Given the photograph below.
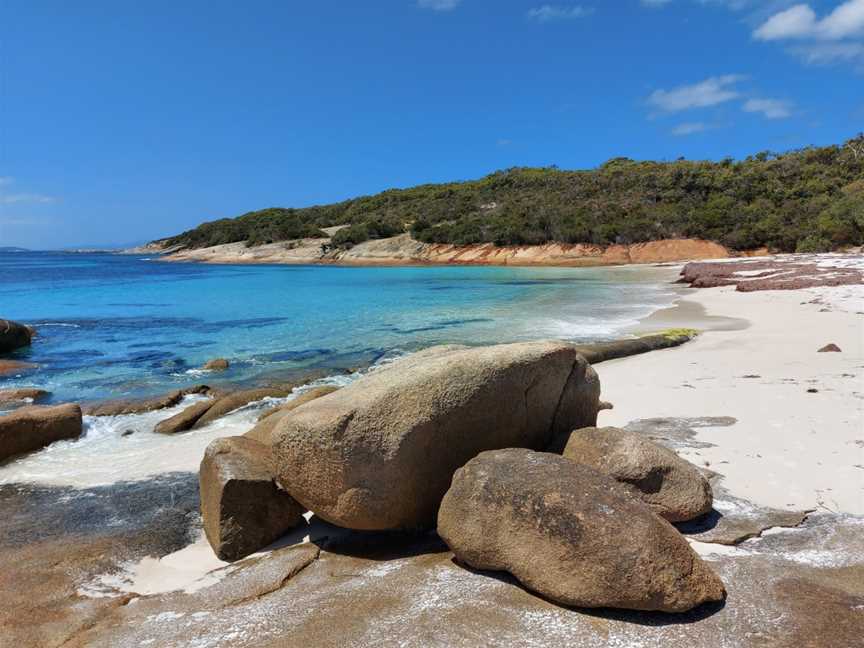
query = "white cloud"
x=689 y=128
x=800 y=21
x=548 y=13
x=438 y=5
x=710 y=92
x=769 y=108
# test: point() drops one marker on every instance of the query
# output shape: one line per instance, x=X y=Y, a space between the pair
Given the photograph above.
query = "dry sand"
x=791 y=448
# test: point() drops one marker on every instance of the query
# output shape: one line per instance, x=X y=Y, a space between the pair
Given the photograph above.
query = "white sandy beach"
x=789 y=448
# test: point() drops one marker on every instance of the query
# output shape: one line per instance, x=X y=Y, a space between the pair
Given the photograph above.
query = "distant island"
x=806 y=200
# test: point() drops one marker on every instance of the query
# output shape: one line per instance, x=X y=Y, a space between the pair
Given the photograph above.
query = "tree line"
x=806 y=200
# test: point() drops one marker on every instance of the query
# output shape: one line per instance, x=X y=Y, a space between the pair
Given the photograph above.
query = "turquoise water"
x=112 y=325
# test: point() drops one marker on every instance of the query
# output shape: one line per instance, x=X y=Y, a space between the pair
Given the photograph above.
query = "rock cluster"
x=457 y=438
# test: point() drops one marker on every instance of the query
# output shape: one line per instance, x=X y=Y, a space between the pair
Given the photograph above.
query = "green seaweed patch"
x=675 y=333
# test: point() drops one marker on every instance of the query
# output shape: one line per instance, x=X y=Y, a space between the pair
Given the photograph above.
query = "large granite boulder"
x=34 y=427
x=674 y=488
x=263 y=431
x=571 y=534
x=379 y=454
x=236 y=400
x=14 y=335
x=243 y=508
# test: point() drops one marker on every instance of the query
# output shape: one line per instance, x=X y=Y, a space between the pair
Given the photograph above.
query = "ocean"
x=117 y=326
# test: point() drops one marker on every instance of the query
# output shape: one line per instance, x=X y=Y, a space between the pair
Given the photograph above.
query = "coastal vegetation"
x=806 y=200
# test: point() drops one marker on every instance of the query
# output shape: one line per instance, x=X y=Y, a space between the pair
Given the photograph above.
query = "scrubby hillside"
x=810 y=199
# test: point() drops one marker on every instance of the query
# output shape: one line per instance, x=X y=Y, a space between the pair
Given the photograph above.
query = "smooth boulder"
x=238 y=399
x=183 y=420
x=674 y=488
x=243 y=508
x=571 y=534
x=14 y=335
x=263 y=430
x=34 y=427
x=379 y=454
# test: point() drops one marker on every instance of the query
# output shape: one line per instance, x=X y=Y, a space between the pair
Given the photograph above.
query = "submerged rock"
x=184 y=420
x=9 y=367
x=217 y=364
x=243 y=508
x=674 y=488
x=34 y=427
x=379 y=454
x=14 y=335
x=571 y=534
x=267 y=422
x=22 y=395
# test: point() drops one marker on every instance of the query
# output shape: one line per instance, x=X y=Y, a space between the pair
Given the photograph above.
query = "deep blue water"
x=112 y=325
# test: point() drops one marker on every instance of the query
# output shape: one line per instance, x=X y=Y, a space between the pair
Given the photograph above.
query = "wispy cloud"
x=768 y=108
x=549 y=13
x=11 y=199
x=689 y=128
x=438 y=5
x=503 y=141
x=801 y=22
x=20 y=197
x=710 y=92
x=655 y=4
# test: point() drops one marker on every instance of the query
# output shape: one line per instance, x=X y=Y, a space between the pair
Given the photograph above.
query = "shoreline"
x=797 y=442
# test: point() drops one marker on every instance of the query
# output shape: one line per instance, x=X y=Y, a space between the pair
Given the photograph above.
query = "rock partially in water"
x=34 y=427
x=379 y=454
x=674 y=488
x=236 y=400
x=571 y=534
x=244 y=510
x=141 y=406
x=184 y=420
x=14 y=335
x=217 y=364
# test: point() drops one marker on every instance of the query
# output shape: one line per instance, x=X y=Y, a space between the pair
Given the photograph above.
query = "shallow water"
x=118 y=326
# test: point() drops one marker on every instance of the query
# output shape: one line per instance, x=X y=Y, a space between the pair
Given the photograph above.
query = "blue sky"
x=126 y=121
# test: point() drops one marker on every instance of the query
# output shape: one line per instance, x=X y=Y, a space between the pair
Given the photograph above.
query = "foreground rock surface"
x=379 y=454
x=13 y=335
x=31 y=428
x=672 y=487
x=571 y=534
x=242 y=507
